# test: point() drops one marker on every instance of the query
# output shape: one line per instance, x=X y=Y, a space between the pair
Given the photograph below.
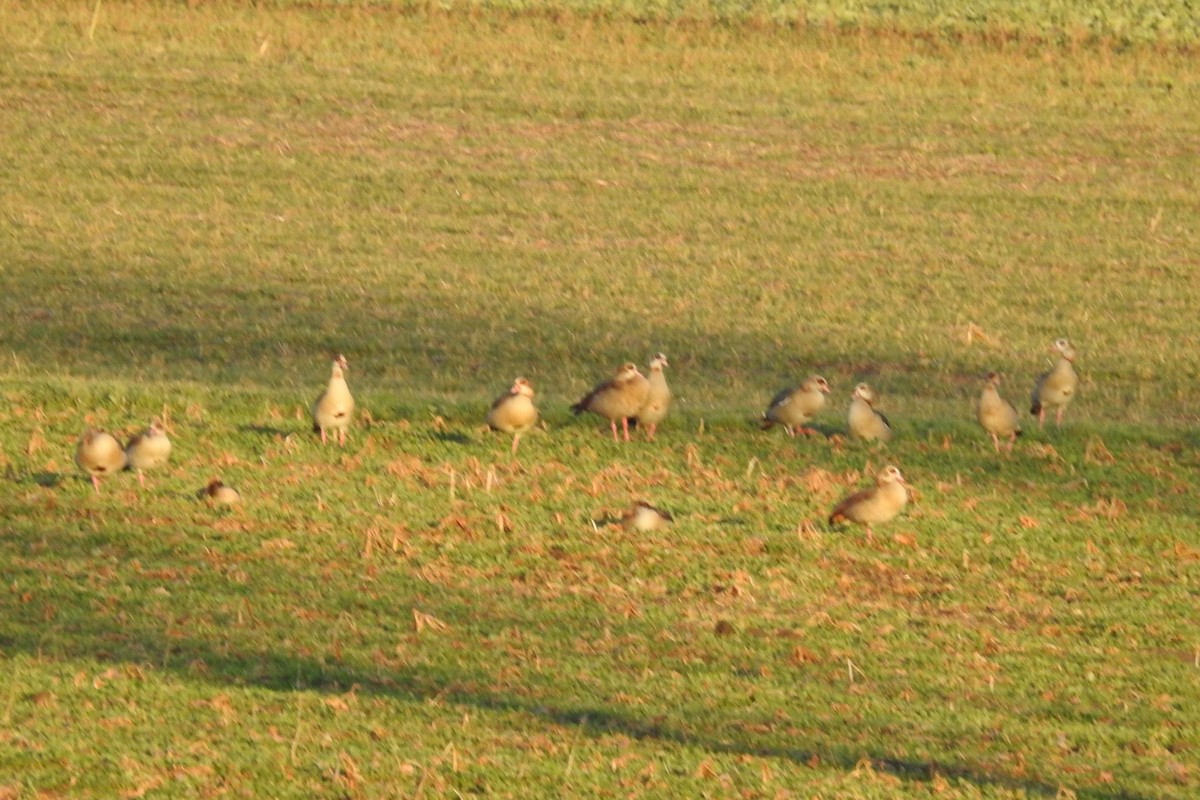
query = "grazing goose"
x=645 y=517
x=1055 y=389
x=99 y=454
x=619 y=398
x=876 y=505
x=149 y=449
x=218 y=493
x=514 y=411
x=658 y=399
x=794 y=407
x=863 y=421
x=334 y=409
x=997 y=415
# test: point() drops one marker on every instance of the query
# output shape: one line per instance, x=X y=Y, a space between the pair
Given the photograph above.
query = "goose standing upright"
x=149 y=449
x=334 y=409
x=98 y=454
x=874 y=506
x=658 y=398
x=997 y=415
x=863 y=421
x=795 y=407
x=618 y=398
x=1056 y=389
x=514 y=412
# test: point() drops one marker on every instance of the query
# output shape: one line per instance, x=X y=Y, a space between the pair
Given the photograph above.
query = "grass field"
x=203 y=203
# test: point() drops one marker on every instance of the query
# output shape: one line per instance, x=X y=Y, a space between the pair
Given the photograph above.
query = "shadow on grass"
x=451 y=437
x=268 y=430
x=285 y=673
x=92 y=636
x=48 y=479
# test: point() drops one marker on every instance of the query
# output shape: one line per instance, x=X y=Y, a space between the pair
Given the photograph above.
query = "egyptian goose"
x=863 y=421
x=794 y=407
x=1055 y=389
x=334 y=409
x=619 y=398
x=149 y=449
x=997 y=415
x=876 y=505
x=514 y=411
x=99 y=454
x=645 y=517
x=218 y=493
x=658 y=399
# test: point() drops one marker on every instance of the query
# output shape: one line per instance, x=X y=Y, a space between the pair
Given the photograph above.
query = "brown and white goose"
x=863 y=421
x=658 y=398
x=874 y=506
x=99 y=454
x=997 y=415
x=149 y=449
x=514 y=412
x=645 y=517
x=1056 y=389
x=219 y=493
x=618 y=398
x=795 y=407
x=334 y=409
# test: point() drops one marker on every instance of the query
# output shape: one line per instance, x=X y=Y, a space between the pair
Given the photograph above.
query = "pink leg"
x=1041 y=417
x=614 y=430
x=96 y=483
x=651 y=429
x=322 y=436
x=516 y=441
x=342 y=437
x=625 y=423
x=141 y=478
x=1058 y=416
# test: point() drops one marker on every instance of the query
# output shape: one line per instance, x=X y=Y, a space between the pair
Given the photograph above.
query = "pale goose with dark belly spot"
x=514 y=412
x=1056 y=389
x=619 y=398
x=795 y=407
x=99 y=454
x=149 y=449
x=334 y=409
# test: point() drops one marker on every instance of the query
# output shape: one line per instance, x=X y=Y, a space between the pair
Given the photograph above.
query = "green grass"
x=203 y=204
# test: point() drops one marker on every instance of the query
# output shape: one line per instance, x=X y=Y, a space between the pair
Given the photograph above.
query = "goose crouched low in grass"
x=645 y=517
x=219 y=493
